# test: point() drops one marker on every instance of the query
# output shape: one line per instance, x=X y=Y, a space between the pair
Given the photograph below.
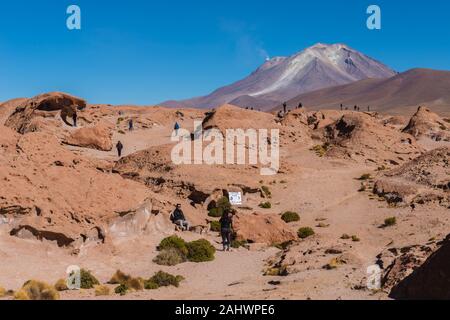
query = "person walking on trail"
x=178 y=218
x=74 y=118
x=285 y=108
x=177 y=128
x=130 y=125
x=226 y=229
x=119 y=147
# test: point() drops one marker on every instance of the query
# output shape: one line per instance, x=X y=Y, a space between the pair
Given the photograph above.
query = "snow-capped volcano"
x=282 y=78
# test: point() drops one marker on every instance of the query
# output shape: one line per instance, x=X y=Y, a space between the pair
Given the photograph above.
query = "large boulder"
x=98 y=137
x=262 y=228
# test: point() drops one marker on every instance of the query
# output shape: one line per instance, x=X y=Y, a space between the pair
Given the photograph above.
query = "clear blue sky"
x=144 y=52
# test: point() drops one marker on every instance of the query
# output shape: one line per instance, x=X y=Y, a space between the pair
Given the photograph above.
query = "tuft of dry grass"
x=102 y=290
x=36 y=290
x=61 y=285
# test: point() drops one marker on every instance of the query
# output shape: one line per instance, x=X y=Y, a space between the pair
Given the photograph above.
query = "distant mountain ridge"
x=282 y=78
x=401 y=93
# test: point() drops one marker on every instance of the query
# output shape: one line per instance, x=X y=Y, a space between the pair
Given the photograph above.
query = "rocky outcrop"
x=43 y=106
x=427 y=123
x=424 y=179
x=420 y=272
x=361 y=136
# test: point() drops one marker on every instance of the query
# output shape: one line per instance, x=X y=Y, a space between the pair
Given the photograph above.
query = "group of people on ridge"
x=226 y=224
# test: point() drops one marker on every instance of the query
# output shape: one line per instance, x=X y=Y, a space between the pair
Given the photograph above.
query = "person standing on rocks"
x=130 y=125
x=226 y=229
x=178 y=218
x=285 y=108
x=74 y=118
x=176 y=127
x=119 y=147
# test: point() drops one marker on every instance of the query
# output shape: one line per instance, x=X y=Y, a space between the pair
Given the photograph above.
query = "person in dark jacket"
x=119 y=147
x=178 y=218
x=226 y=229
x=74 y=118
x=130 y=125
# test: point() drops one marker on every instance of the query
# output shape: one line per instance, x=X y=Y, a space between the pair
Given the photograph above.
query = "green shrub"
x=305 y=232
x=174 y=242
x=290 y=216
x=163 y=279
x=321 y=150
x=356 y=239
x=389 y=222
x=121 y=289
x=265 y=205
x=150 y=285
x=200 y=251
x=169 y=257
x=215 y=226
x=345 y=237
x=222 y=205
x=88 y=281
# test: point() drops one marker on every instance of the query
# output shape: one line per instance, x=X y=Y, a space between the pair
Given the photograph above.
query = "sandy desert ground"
x=67 y=199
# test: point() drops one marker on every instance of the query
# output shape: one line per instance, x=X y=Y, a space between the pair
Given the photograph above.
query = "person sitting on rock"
x=119 y=147
x=178 y=218
x=226 y=229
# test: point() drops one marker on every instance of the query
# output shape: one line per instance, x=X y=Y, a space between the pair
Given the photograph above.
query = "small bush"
x=362 y=188
x=321 y=150
x=163 y=279
x=323 y=225
x=266 y=192
x=132 y=283
x=121 y=289
x=200 y=251
x=290 y=216
x=390 y=222
x=345 y=237
x=169 y=257
x=102 y=291
x=150 y=285
x=36 y=290
x=365 y=177
x=61 y=285
x=222 y=205
x=174 y=242
x=306 y=232
x=2 y=292
x=356 y=239
x=88 y=281
x=236 y=244
x=277 y=272
x=283 y=246
x=215 y=226
x=121 y=132
x=265 y=205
